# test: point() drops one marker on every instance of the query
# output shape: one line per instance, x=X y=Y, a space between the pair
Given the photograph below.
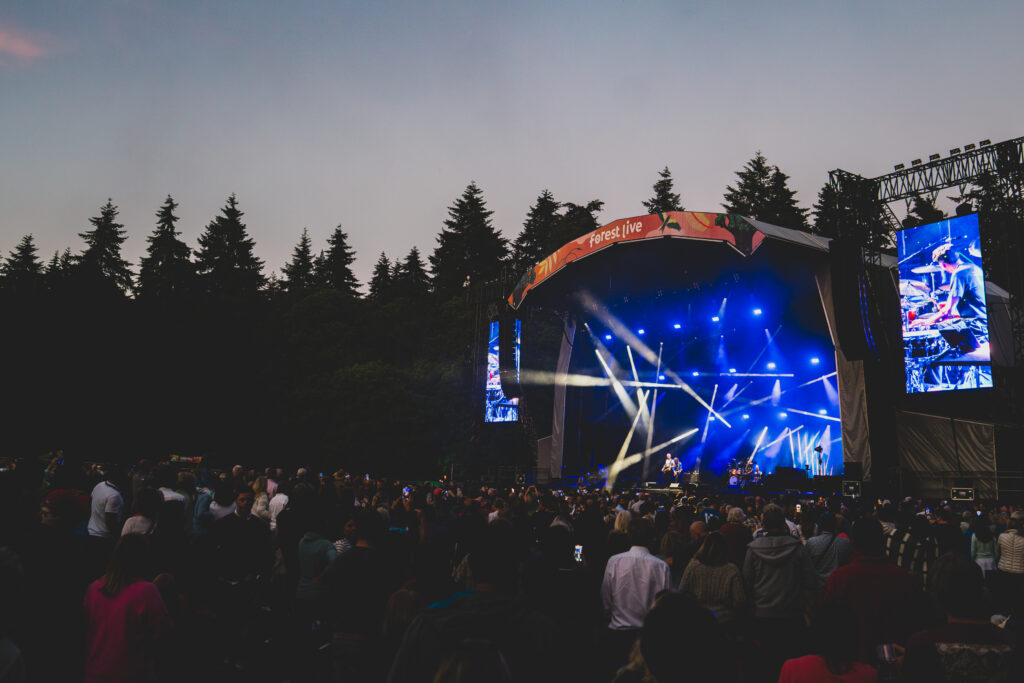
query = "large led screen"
x=942 y=297
x=498 y=407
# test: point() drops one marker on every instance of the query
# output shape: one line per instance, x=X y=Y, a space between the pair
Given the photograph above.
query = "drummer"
x=966 y=296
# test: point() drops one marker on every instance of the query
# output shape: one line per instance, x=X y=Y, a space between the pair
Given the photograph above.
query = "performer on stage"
x=672 y=467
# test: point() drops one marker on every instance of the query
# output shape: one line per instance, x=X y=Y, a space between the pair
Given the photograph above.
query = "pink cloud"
x=19 y=46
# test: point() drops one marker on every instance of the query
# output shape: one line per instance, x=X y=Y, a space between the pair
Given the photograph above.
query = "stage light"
x=955 y=150
x=711 y=419
x=745 y=416
x=695 y=373
x=495 y=348
x=783 y=416
x=677 y=326
x=985 y=143
x=640 y=331
x=757 y=311
x=915 y=162
x=815 y=361
x=715 y=319
x=934 y=157
x=607 y=337
x=771 y=366
x=661 y=377
x=822 y=412
x=899 y=167
x=969 y=146
x=732 y=369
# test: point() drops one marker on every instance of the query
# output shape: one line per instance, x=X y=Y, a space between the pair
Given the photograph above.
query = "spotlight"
x=757 y=311
x=815 y=361
x=661 y=377
x=771 y=366
x=640 y=331
x=495 y=348
x=607 y=337
x=783 y=416
x=822 y=412
x=934 y=157
x=711 y=419
x=732 y=369
x=715 y=319
x=968 y=147
x=677 y=326
x=695 y=373
x=984 y=143
x=746 y=417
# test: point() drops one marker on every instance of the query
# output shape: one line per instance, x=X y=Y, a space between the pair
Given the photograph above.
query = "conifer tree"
x=380 y=281
x=664 y=198
x=22 y=270
x=167 y=269
x=762 y=192
x=782 y=208
x=225 y=259
x=101 y=262
x=298 y=273
x=854 y=212
x=925 y=211
x=469 y=250
x=578 y=220
x=334 y=269
x=535 y=241
x=409 y=277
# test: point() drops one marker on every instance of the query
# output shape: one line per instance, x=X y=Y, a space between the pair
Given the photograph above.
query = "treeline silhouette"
x=201 y=352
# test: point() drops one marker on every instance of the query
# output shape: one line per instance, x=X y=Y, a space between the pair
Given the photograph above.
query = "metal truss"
x=956 y=170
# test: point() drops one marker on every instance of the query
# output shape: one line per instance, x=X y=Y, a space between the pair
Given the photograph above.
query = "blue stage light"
x=815 y=361
x=757 y=311
x=715 y=319
x=695 y=373
x=822 y=412
x=677 y=326
x=783 y=416
x=745 y=416
x=607 y=337
x=771 y=366
x=640 y=331
x=661 y=377
x=732 y=369
x=495 y=348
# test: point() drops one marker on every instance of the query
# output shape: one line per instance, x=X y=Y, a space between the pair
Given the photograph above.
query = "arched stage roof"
x=741 y=234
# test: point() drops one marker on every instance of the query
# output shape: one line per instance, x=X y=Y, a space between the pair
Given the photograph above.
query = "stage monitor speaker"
x=849 y=299
x=851 y=489
x=508 y=354
x=961 y=494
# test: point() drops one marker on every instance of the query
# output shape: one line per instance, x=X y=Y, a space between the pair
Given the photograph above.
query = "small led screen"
x=498 y=407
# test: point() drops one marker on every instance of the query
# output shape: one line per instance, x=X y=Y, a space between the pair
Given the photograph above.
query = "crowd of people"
x=163 y=572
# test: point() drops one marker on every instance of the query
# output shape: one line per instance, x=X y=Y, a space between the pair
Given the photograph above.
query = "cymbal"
x=926 y=269
x=913 y=288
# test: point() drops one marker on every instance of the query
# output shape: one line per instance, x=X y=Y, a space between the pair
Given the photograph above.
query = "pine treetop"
x=101 y=261
x=664 y=198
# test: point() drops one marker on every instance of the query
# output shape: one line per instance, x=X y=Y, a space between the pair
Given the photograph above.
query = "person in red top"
x=126 y=618
x=834 y=636
x=886 y=600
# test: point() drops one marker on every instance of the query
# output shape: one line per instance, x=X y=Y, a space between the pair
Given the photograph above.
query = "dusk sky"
x=376 y=115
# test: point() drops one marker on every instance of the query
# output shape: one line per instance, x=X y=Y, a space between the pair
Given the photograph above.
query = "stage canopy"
x=676 y=261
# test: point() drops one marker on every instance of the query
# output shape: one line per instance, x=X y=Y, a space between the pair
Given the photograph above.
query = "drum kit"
x=931 y=360
x=743 y=474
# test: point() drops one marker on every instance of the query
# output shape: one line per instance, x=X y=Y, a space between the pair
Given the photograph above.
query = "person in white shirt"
x=277 y=503
x=107 y=508
x=632 y=579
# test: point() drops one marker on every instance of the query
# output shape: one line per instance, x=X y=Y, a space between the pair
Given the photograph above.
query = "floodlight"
x=934 y=157
x=985 y=143
x=640 y=331
x=714 y=319
x=607 y=337
x=677 y=326
x=899 y=167
x=969 y=147
x=815 y=361
x=955 y=150
x=771 y=366
x=915 y=162
x=757 y=311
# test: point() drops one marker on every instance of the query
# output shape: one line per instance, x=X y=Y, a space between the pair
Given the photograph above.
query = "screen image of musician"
x=942 y=299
